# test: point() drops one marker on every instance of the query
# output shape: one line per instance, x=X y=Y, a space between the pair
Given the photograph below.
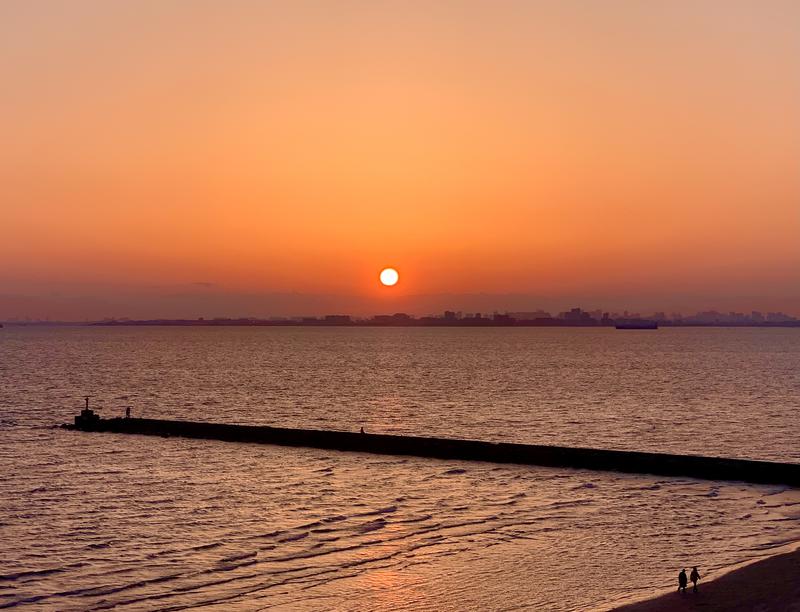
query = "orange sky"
x=603 y=150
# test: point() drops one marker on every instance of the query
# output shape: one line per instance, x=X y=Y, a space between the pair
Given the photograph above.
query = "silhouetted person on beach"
x=694 y=577
x=362 y=430
x=128 y=412
x=682 y=581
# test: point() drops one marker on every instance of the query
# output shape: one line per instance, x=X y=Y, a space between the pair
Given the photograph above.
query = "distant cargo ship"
x=637 y=325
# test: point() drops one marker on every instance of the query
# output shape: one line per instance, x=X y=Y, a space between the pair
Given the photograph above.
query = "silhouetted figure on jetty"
x=694 y=577
x=682 y=581
x=362 y=430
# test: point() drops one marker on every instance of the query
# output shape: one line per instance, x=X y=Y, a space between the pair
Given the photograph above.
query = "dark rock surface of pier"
x=712 y=468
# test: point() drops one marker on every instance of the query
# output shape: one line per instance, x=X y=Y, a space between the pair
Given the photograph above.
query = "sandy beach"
x=764 y=586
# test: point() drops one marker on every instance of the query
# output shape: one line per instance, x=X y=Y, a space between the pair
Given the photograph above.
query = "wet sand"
x=764 y=586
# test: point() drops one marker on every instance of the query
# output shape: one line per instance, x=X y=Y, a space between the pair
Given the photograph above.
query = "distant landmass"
x=576 y=317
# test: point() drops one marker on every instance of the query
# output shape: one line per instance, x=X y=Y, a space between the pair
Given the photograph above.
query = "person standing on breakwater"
x=694 y=577
x=682 y=581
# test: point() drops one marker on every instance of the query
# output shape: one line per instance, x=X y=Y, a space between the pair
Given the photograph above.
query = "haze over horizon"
x=202 y=300
x=191 y=159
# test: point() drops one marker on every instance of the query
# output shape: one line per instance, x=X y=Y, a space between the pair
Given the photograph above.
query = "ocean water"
x=101 y=521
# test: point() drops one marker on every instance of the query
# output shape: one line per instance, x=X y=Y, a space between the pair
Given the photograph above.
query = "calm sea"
x=93 y=522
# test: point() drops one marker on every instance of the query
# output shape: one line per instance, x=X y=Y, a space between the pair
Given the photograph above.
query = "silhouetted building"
x=576 y=315
x=779 y=317
x=398 y=318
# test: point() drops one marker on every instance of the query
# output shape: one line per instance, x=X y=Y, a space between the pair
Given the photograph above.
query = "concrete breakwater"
x=693 y=466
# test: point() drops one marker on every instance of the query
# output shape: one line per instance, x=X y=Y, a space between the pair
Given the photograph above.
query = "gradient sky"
x=241 y=152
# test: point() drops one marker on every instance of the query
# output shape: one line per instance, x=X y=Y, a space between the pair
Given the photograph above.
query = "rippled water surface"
x=101 y=521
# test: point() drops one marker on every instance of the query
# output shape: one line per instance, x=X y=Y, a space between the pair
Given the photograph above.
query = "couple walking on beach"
x=682 y=582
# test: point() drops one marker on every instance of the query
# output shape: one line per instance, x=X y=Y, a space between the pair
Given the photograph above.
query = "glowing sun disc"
x=389 y=277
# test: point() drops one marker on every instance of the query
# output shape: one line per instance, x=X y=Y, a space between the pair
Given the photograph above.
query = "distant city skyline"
x=211 y=304
x=574 y=317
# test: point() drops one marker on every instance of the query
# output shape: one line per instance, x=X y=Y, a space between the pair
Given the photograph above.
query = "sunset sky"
x=201 y=158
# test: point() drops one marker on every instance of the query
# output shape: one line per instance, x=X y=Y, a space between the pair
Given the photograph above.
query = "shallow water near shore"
x=139 y=523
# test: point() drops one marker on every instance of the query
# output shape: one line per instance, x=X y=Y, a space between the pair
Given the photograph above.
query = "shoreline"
x=413 y=321
x=768 y=584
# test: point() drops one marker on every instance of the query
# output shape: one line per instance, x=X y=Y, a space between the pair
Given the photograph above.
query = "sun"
x=389 y=277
